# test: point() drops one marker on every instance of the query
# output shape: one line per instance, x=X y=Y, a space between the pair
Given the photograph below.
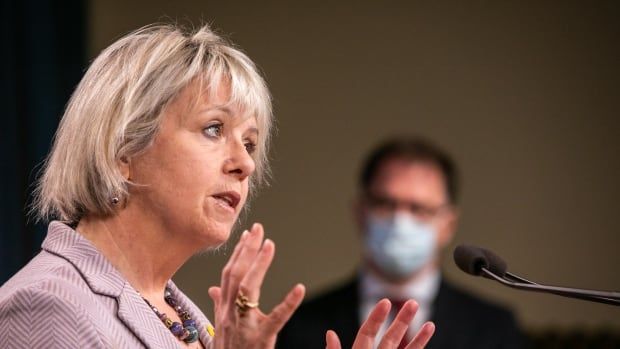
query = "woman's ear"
x=125 y=167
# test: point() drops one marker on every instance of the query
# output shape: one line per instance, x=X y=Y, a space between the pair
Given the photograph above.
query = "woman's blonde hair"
x=116 y=110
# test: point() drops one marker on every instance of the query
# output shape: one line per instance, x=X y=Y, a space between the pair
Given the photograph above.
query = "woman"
x=153 y=160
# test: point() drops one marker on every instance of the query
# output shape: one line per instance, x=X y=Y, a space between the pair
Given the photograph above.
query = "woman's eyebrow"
x=222 y=108
x=226 y=110
x=252 y=130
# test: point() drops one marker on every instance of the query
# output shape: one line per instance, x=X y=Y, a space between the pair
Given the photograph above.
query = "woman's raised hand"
x=239 y=322
x=365 y=338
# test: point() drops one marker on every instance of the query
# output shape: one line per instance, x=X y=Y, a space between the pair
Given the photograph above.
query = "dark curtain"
x=43 y=46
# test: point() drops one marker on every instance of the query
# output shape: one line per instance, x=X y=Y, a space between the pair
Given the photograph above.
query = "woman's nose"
x=239 y=162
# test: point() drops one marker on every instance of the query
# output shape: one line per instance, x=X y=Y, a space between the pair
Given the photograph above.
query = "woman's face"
x=193 y=180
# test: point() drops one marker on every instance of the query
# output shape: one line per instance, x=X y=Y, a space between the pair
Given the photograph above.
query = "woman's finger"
x=395 y=333
x=232 y=261
x=368 y=331
x=253 y=280
x=283 y=311
x=422 y=337
x=332 y=341
x=246 y=256
x=216 y=295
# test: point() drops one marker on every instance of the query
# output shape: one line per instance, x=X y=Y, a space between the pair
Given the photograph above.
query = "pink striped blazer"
x=70 y=296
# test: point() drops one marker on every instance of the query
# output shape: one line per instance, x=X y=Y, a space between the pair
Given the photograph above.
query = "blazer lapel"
x=344 y=307
x=449 y=319
x=105 y=280
x=142 y=321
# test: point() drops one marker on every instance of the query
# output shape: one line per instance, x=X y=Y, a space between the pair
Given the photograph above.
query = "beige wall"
x=524 y=94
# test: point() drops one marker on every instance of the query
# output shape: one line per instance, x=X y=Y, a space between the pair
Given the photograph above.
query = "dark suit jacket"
x=462 y=321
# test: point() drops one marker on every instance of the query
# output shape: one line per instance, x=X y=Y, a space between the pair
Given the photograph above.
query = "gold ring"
x=243 y=303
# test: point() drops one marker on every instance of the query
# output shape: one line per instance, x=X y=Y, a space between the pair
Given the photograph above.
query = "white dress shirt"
x=423 y=289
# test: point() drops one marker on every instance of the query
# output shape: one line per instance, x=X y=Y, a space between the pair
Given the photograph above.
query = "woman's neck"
x=142 y=253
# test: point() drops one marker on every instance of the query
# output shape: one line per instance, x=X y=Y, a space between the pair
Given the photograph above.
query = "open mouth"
x=230 y=199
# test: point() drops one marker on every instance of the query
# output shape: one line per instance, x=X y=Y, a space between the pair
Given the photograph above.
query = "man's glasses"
x=385 y=205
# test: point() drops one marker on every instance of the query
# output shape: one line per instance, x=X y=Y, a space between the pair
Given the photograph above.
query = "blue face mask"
x=399 y=245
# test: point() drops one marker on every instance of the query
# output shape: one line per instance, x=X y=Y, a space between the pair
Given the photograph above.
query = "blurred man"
x=407 y=214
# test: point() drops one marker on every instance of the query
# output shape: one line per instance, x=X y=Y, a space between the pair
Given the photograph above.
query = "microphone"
x=472 y=259
x=478 y=261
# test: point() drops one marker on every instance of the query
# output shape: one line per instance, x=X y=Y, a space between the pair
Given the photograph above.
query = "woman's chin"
x=213 y=243
x=215 y=236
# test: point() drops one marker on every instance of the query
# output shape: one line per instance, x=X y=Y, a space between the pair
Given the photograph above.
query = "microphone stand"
x=518 y=282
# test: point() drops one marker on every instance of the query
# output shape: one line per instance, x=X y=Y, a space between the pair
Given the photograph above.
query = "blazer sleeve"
x=34 y=317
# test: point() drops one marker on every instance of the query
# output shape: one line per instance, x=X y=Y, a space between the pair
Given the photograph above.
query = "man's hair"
x=411 y=149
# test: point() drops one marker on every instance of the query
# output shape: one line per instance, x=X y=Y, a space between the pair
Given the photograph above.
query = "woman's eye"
x=250 y=147
x=213 y=131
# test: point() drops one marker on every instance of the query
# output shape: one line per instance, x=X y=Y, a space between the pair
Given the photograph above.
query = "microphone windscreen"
x=470 y=259
x=496 y=265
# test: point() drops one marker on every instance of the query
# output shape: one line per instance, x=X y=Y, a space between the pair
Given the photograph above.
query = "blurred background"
x=524 y=94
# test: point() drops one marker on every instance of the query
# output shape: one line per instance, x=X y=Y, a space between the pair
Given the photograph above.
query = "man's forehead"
x=402 y=167
x=405 y=177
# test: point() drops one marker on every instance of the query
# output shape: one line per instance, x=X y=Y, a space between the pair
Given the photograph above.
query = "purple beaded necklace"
x=187 y=331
